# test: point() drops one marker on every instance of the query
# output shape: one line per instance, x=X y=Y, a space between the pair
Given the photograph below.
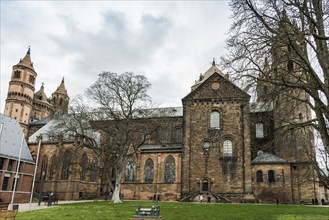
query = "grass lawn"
x=179 y=211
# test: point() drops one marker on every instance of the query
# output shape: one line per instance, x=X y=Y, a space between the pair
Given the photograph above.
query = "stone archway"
x=205 y=185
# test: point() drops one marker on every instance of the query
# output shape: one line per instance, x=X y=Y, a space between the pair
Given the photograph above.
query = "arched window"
x=52 y=168
x=178 y=135
x=259 y=130
x=84 y=167
x=214 y=119
x=170 y=170
x=66 y=165
x=93 y=171
x=271 y=176
x=17 y=74
x=130 y=170
x=148 y=171
x=259 y=176
x=228 y=148
x=44 y=165
x=290 y=66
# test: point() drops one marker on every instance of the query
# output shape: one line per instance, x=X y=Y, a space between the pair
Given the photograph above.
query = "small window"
x=2 y=161
x=214 y=119
x=271 y=176
x=31 y=79
x=259 y=176
x=17 y=74
x=290 y=66
x=10 y=165
x=44 y=165
x=259 y=130
x=228 y=148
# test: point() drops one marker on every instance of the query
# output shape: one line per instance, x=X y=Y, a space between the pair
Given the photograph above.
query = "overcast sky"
x=169 y=42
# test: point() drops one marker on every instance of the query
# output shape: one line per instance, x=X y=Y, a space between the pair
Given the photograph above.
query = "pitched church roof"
x=10 y=140
x=265 y=158
x=203 y=77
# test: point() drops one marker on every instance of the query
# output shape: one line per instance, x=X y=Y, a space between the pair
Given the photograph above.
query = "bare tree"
x=283 y=45
x=122 y=103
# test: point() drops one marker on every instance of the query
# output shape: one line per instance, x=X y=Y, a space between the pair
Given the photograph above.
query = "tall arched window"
x=271 y=176
x=259 y=176
x=52 y=168
x=84 y=166
x=214 y=119
x=148 y=171
x=227 y=148
x=44 y=165
x=178 y=135
x=66 y=165
x=170 y=170
x=93 y=171
x=259 y=130
x=130 y=170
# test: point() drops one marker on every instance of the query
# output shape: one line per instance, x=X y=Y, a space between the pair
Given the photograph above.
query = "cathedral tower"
x=293 y=141
x=19 y=102
x=60 y=99
x=41 y=105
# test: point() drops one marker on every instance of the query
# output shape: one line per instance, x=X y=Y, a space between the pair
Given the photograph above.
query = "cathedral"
x=217 y=144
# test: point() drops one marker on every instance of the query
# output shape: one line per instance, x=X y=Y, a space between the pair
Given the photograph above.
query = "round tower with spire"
x=19 y=102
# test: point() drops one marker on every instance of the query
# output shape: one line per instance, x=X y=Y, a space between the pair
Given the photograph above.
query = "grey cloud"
x=122 y=48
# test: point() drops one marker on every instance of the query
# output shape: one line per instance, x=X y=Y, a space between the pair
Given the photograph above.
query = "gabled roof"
x=213 y=69
x=267 y=158
x=211 y=74
x=10 y=140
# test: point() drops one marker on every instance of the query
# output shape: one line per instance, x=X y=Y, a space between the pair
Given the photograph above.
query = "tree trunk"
x=116 y=194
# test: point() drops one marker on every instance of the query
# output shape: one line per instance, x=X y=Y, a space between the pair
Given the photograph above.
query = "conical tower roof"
x=61 y=88
x=26 y=61
x=41 y=95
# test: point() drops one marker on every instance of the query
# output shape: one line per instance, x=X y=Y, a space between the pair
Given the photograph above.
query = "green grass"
x=179 y=211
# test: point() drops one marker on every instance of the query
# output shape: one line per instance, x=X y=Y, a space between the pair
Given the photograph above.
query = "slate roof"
x=267 y=158
x=157 y=148
x=10 y=140
x=261 y=106
x=50 y=131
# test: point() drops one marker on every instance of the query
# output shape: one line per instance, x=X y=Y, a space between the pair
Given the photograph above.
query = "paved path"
x=23 y=207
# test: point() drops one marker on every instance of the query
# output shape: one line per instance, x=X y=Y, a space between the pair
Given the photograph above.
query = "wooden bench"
x=154 y=211
x=8 y=214
x=4 y=206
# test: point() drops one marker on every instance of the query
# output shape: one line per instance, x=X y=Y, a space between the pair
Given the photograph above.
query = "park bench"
x=4 y=206
x=147 y=213
x=8 y=214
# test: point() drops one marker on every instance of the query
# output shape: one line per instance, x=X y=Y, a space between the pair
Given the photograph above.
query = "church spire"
x=26 y=61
